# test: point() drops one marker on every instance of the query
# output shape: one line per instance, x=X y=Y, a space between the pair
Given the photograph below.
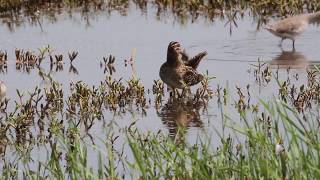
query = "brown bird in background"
x=179 y=71
x=292 y=27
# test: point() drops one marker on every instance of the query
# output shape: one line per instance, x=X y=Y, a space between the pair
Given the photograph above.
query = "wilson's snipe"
x=292 y=27
x=179 y=71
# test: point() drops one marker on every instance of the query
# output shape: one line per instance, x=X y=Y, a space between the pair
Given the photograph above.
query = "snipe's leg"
x=293 y=47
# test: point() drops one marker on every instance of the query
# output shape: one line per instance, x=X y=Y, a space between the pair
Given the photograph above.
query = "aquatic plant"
x=108 y=64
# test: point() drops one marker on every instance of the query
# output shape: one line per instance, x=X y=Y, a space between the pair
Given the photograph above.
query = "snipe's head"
x=174 y=53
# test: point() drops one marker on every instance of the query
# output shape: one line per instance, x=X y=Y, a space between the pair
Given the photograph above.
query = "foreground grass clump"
x=277 y=144
x=258 y=156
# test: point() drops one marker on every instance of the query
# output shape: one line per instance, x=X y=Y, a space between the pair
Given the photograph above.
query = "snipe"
x=179 y=71
x=292 y=27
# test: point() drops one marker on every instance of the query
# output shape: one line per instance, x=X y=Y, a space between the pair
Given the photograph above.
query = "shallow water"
x=230 y=59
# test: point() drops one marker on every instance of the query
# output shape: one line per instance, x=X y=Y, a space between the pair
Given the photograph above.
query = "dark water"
x=230 y=59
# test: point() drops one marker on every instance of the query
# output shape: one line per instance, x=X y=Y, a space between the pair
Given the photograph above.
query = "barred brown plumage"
x=177 y=72
x=191 y=77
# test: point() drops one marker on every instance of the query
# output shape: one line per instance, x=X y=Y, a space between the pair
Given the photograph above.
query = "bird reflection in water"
x=289 y=59
x=178 y=115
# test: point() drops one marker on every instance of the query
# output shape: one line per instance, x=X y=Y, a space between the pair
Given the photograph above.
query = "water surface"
x=231 y=59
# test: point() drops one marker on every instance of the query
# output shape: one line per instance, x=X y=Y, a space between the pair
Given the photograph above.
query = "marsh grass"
x=156 y=155
x=254 y=158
